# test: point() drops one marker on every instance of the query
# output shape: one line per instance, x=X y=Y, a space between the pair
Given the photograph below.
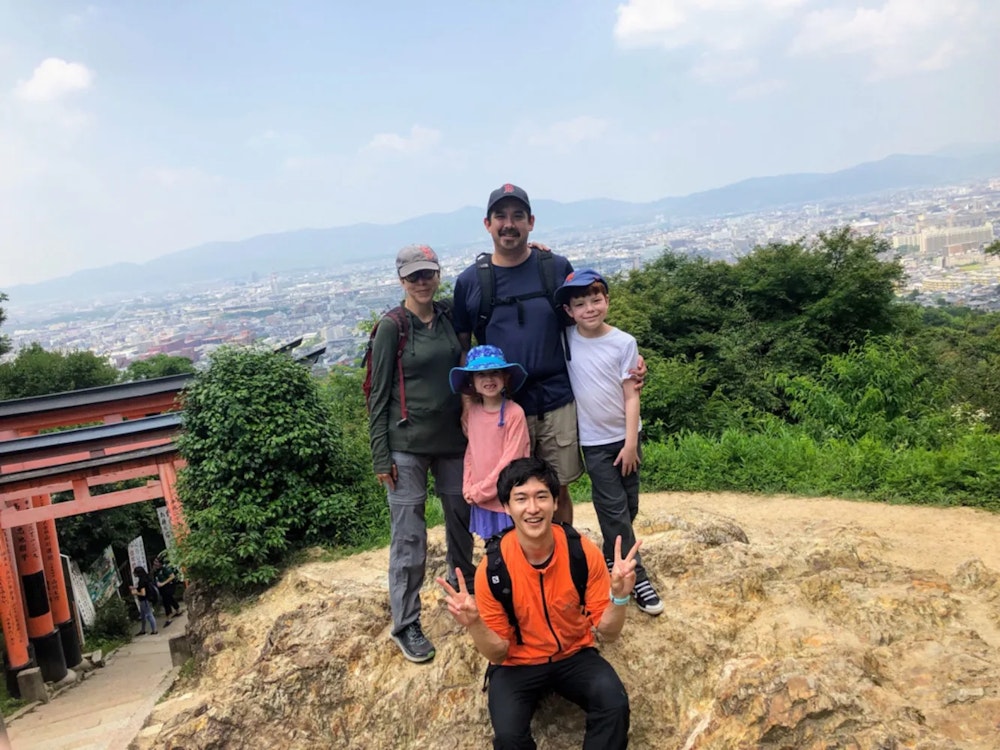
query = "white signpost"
x=81 y=595
x=168 y=533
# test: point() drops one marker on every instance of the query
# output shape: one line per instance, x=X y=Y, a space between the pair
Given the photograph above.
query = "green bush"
x=270 y=470
x=112 y=621
x=787 y=460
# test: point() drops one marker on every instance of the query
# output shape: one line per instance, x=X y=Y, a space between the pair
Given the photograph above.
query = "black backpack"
x=498 y=577
x=399 y=317
x=152 y=595
x=488 y=299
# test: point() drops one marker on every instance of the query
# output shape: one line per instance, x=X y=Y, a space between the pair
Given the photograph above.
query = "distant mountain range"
x=325 y=248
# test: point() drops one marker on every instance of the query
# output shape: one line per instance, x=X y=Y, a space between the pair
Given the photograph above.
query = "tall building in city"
x=955 y=239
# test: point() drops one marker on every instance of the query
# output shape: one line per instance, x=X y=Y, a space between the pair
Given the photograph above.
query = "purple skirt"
x=485 y=523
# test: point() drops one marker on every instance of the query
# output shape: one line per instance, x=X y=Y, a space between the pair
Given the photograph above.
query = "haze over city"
x=131 y=130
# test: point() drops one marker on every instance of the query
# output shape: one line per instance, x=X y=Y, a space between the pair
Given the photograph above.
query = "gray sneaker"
x=414 y=644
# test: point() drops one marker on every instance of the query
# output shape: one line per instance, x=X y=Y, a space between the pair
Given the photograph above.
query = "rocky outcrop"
x=814 y=642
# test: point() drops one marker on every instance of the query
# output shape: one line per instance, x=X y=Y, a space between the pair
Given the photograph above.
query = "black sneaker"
x=646 y=598
x=414 y=644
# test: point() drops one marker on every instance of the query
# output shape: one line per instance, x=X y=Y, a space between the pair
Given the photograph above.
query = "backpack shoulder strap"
x=444 y=306
x=578 y=568
x=398 y=316
x=547 y=272
x=487 y=294
x=498 y=578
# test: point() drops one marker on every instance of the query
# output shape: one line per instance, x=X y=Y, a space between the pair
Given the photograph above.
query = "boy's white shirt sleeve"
x=630 y=358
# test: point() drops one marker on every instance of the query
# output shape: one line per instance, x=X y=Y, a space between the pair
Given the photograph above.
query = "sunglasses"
x=424 y=275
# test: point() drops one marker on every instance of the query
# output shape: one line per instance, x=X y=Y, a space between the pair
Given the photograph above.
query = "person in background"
x=497 y=432
x=427 y=439
x=166 y=577
x=145 y=591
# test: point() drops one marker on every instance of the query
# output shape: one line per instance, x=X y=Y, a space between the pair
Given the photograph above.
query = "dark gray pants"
x=408 y=546
x=616 y=500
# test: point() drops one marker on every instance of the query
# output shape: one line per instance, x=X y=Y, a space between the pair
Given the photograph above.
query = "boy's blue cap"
x=577 y=280
x=482 y=359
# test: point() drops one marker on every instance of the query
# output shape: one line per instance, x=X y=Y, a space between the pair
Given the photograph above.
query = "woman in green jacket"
x=428 y=438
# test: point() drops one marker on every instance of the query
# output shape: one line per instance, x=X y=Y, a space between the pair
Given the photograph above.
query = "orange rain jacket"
x=545 y=602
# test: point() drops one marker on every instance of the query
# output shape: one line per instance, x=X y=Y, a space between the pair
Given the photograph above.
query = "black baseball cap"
x=507 y=191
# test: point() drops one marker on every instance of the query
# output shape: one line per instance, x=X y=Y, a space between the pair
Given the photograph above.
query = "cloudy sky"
x=133 y=129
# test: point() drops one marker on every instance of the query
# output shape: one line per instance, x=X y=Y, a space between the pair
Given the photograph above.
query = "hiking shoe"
x=646 y=598
x=414 y=644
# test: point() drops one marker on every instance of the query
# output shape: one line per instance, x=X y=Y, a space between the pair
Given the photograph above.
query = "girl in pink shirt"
x=497 y=432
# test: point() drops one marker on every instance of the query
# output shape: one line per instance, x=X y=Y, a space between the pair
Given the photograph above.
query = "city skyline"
x=131 y=131
x=938 y=233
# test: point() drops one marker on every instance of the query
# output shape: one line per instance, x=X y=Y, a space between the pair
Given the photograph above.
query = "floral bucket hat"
x=485 y=359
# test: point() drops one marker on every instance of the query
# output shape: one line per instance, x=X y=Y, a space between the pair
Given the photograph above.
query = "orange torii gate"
x=133 y=439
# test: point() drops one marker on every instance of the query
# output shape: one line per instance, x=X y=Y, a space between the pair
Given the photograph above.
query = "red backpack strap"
x=399 y=317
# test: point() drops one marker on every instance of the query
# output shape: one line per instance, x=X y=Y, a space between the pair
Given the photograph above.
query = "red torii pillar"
x=41 y=629
x=20 y=655
x=55 y=581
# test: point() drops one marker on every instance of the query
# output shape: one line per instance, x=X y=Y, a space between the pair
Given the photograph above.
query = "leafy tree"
x=269 y=470
x=783 y=308
x=85 y=536
x=881 y=389
x=157 y=366
x=963 y=345
x=4 y=342
x=675 y=399
x=37 y=372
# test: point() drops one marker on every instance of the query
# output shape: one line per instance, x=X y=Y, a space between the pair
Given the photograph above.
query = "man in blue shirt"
x=525 y=325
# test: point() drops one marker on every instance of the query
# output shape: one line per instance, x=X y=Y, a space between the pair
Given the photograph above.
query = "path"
x=107 y=709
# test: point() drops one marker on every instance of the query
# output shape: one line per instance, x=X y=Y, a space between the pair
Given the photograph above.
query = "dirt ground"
x=917 y=537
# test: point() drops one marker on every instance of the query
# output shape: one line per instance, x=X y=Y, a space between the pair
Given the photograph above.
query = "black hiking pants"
x=585 y=679
x=167 y=595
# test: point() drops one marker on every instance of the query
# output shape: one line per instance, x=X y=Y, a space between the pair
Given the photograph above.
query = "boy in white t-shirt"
x=607 y=406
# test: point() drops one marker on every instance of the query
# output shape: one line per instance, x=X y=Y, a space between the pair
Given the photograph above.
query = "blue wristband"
x=619 y=602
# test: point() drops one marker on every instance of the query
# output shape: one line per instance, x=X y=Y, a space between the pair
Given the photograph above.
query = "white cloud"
x=419 y=140
x=893 y=37
x=53 y=79
x=567 y=133
x=897 y=37
x=719 y=25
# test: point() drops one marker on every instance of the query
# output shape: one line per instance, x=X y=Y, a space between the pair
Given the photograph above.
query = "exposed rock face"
x=815 y=643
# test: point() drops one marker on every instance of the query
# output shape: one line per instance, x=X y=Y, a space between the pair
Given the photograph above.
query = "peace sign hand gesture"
x=623 y=571
x=461 y=603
